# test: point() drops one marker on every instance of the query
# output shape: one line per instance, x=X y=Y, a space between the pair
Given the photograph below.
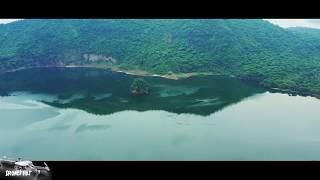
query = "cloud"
x=285 y=23
x=314 y=21
x=5 y=21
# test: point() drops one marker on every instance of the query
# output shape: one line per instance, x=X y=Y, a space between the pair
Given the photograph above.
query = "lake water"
x=89 y=114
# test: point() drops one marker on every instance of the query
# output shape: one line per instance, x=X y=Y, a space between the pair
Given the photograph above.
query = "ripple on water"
x=206 y=102
x=102 y=96
x=167 y=90
x=86 y=127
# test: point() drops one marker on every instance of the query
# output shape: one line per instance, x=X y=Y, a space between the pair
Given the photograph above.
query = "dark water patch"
x=86 y=127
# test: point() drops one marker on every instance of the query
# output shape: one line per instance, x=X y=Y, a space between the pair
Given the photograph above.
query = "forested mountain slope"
x=250 y=49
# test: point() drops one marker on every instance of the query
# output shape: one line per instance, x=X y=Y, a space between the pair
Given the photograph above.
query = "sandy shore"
x=136 y=72
x=131 y=72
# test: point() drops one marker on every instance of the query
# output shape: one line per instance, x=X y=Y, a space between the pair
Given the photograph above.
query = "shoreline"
x=288 y=91
x=172 y=76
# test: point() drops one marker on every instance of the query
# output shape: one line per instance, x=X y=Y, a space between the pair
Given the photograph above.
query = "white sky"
x=5 y=21
x=312 y=23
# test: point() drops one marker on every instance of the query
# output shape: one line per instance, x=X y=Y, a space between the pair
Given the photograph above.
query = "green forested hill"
x=306 y=32
x=253 y=50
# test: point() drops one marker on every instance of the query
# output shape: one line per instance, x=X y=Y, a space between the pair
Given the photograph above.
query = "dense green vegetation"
x=139 y=86
x=253 y=50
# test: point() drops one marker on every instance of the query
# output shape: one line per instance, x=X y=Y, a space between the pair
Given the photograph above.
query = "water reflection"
x=88 y=114
x=262 y=127
x=104 y=92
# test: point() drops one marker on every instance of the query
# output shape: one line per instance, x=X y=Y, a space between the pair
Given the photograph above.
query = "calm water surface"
x=89 y=114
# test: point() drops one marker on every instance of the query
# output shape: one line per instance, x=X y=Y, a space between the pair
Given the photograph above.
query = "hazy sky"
x=313 y=23
x=4 y=21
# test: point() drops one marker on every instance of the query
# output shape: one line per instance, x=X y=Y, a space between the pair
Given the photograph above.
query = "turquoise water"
x=86 y=114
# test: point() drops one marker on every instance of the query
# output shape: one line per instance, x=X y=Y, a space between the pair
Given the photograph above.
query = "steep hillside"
x=254 y=50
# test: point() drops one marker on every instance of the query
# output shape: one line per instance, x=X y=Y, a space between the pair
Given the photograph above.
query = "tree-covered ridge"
x=249 y=49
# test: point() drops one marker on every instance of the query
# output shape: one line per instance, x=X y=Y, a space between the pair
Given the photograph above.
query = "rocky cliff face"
x=98 y=57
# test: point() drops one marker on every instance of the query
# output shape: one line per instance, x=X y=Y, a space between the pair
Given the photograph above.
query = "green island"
x=248 y=49
x=139 y=87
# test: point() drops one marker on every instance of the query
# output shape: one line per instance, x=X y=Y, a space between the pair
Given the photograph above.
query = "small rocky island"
x=139 y=87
